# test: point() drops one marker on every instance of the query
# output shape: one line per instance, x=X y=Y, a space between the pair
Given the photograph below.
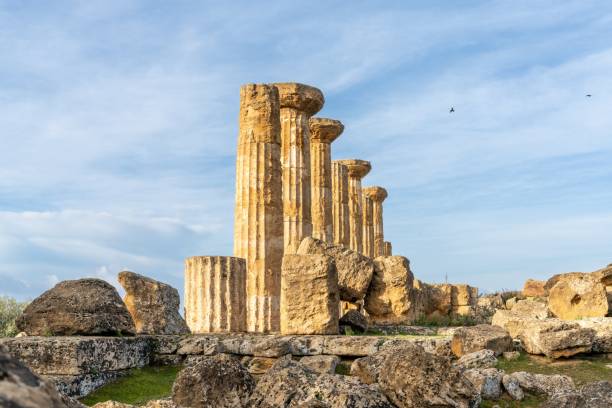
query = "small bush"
x=10 y=309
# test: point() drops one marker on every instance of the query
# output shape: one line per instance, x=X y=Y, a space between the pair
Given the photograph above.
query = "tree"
x=10 y=309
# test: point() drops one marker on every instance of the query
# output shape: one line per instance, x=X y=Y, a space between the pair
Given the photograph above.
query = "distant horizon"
x=119 y=124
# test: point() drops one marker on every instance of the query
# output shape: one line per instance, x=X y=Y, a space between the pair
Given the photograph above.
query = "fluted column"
x=323 y=132
x=298 y=103
x=215 y=294
x=368 y=226
x=388 y=249
x=258 y=215
x=377 y=195
x=357 y=169
x=340 y=204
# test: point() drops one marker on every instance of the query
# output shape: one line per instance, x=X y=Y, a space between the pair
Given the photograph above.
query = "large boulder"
x=309 y=295
x=602 y=326
x=593 y=395
x=534 y=288
x=578 y=295
x=542 y=384
x=483 y=336
x=487 y=381
x=531 y=308
x=354 y=269
x=357 y=322
x=291 y=384
x=21 y=388
x=77 y=307
x=433 y=300
x=411 y=378
x=154 y=305
x=389 y=300
x=216 y=381
x=477 y=359
x=556 y=338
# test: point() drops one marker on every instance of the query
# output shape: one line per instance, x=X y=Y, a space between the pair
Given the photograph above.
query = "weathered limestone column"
x=298 y=103
x=388 y=249
x=357 y=169
x=340 y=204
x=323 y=132
x=258 y=216
x=368 y=226
x=377 y=195
x=215 y=294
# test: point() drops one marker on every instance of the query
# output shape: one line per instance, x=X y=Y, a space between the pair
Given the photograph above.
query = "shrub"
x=10 y=309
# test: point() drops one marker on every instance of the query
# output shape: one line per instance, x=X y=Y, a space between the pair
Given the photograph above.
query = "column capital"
x=375 y=193
x=301 y=97
x=325 y=130
x=357 y=168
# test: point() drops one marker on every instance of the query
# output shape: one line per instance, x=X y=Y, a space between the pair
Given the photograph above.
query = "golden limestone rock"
x=298 y=102
x=534 y=288
x=576 y=296
x=340 y=204
x=377 y=195
x=309 y=295
x=367 y=231
x=357 y=169
x=323 y=132
x=258 y=215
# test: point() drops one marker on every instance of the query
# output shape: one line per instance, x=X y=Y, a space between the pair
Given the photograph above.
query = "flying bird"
x=588 y=95
x=452 y=109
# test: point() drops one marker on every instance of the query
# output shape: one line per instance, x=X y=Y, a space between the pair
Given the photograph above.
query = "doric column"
x=388 y=249
x=298 y=103
x=367 y=231
x=377 y=195
x=340 y=204
x=323 y=132
x=357 y=169
x=215 y=294
x=258 y=215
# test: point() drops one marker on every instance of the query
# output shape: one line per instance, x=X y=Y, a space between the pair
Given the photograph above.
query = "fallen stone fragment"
x=531 y=308
x=556 y=338
x=217 y=381
x=389 y=299
x=512 y=387
x=154 y=305
x=355 y=320
x=290 y=384
x=534 y=288
x=478 y=359
x=487 y=381
x=483 y=336
x=511 y=355
x=602 y=341
x=577 y=296
x=411 y=377
x=77 y=307
x=20 y=387
x=321 y=364
x=354 y=270
x=593 y=395
x=543 y=384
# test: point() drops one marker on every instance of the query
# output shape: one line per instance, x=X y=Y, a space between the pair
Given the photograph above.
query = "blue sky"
x=118 y=127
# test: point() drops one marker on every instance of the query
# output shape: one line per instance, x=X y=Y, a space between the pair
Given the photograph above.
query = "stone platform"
x=78 y=365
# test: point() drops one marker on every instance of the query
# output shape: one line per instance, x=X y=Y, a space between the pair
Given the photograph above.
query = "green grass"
x=344 y=368
x=530 y=401
x=138 y=387
x=582 y=369
x=444 y=321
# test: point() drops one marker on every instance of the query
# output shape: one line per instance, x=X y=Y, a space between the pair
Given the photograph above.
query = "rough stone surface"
x=602 y=340
x=340 y=204
x=258 y=366
x=555 y=338
x=322 y=133
x=483 y=336
x=531 y=308
x=534 y=288
x=377 y=195
x=321 y=364
x=477 y=359
x=309 y=295
x=290 y=384
x=215 y=293
x=487 y=381
x=354 y=270
x=19 y=387
x=388 y=300
x=367 y=218
x=577 y=296
x=154 y=305
x=411 y=377
x=357 y=169
x=541 y=383
x=258 y=215
x=217 y=381
x=512 y=387
x=355 y=320
x=75 y=307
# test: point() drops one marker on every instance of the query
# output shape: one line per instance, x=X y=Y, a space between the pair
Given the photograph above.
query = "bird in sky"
x=588 y=95
x=452 y=109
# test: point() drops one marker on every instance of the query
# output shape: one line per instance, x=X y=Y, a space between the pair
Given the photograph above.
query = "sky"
x=119 y=120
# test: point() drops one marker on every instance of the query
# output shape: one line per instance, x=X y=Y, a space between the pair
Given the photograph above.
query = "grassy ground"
x=582 y=369
x=138 y=387
x=530 y=401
